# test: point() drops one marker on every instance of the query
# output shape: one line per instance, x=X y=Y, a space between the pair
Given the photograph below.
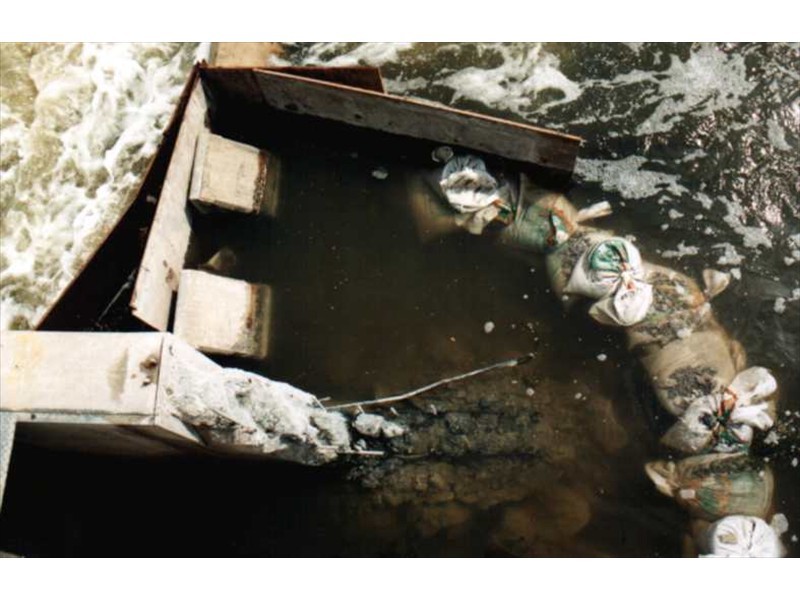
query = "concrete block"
x=220 y=315
x=79 y=372
x=234 y=176
x=243 y=54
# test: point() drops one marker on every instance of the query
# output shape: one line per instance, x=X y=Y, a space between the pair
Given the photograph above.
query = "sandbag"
x=678 y=308
x=713 y=486
x=562 y=259
x=433 y=218
x=741 y=536
x=544 y=219
x=690 y=367
x=604 y=267
x=724 y=420
x=475 y=194
x=612 y=272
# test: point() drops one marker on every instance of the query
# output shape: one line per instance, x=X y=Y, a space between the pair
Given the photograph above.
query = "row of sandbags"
x=699 y=374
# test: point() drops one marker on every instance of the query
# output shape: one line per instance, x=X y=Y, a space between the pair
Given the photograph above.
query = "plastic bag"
x=474 y=193
x=723 y=421
x=713 y=486
x=745 y=537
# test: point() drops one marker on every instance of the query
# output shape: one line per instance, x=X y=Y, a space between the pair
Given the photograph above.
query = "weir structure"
x=103 y=369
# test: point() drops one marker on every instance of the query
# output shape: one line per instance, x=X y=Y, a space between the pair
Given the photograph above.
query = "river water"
x=695 y=146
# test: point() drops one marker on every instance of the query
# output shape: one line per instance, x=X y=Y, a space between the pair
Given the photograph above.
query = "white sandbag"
x=561 y=260
x=626 y=307
x=473 y=192
x=612 y=272
x=744 y=537
x=604 y=267
x=724 y=420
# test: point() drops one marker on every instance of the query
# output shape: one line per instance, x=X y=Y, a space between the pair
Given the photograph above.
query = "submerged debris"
x=380 y=173
x=376 y=426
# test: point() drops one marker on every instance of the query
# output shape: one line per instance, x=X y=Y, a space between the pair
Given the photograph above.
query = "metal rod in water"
x=128 y=283
x=506 y=363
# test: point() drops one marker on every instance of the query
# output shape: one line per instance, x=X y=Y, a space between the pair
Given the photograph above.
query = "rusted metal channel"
x=367 y=109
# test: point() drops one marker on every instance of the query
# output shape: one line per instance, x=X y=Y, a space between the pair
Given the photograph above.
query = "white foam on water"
x=777 y=136
x=704 y=200
x=683 y=250
x=74 y=149
x=730 y=256
x=516 y=84
x=752 y=236
x=372 y=53
x=403 y=87
x=525 y=72
x=709 y=81
x=627 y=177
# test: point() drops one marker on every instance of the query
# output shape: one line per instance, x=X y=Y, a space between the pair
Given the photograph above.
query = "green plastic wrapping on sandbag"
x=543 y=219
x=611 y=255
x=713 y=486
x=536 y=229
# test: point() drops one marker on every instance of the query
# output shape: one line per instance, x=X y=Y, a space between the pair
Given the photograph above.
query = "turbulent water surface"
x=78 y=125
x=697 y=148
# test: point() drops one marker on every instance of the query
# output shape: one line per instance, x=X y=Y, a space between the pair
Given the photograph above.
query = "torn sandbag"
x=544 y=219
x=475 y=194
x=713 y=486
x=724 y=420
x=741 y=536
x=611 y=271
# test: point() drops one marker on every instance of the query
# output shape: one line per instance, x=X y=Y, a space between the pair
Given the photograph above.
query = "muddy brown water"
x=544 y=459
